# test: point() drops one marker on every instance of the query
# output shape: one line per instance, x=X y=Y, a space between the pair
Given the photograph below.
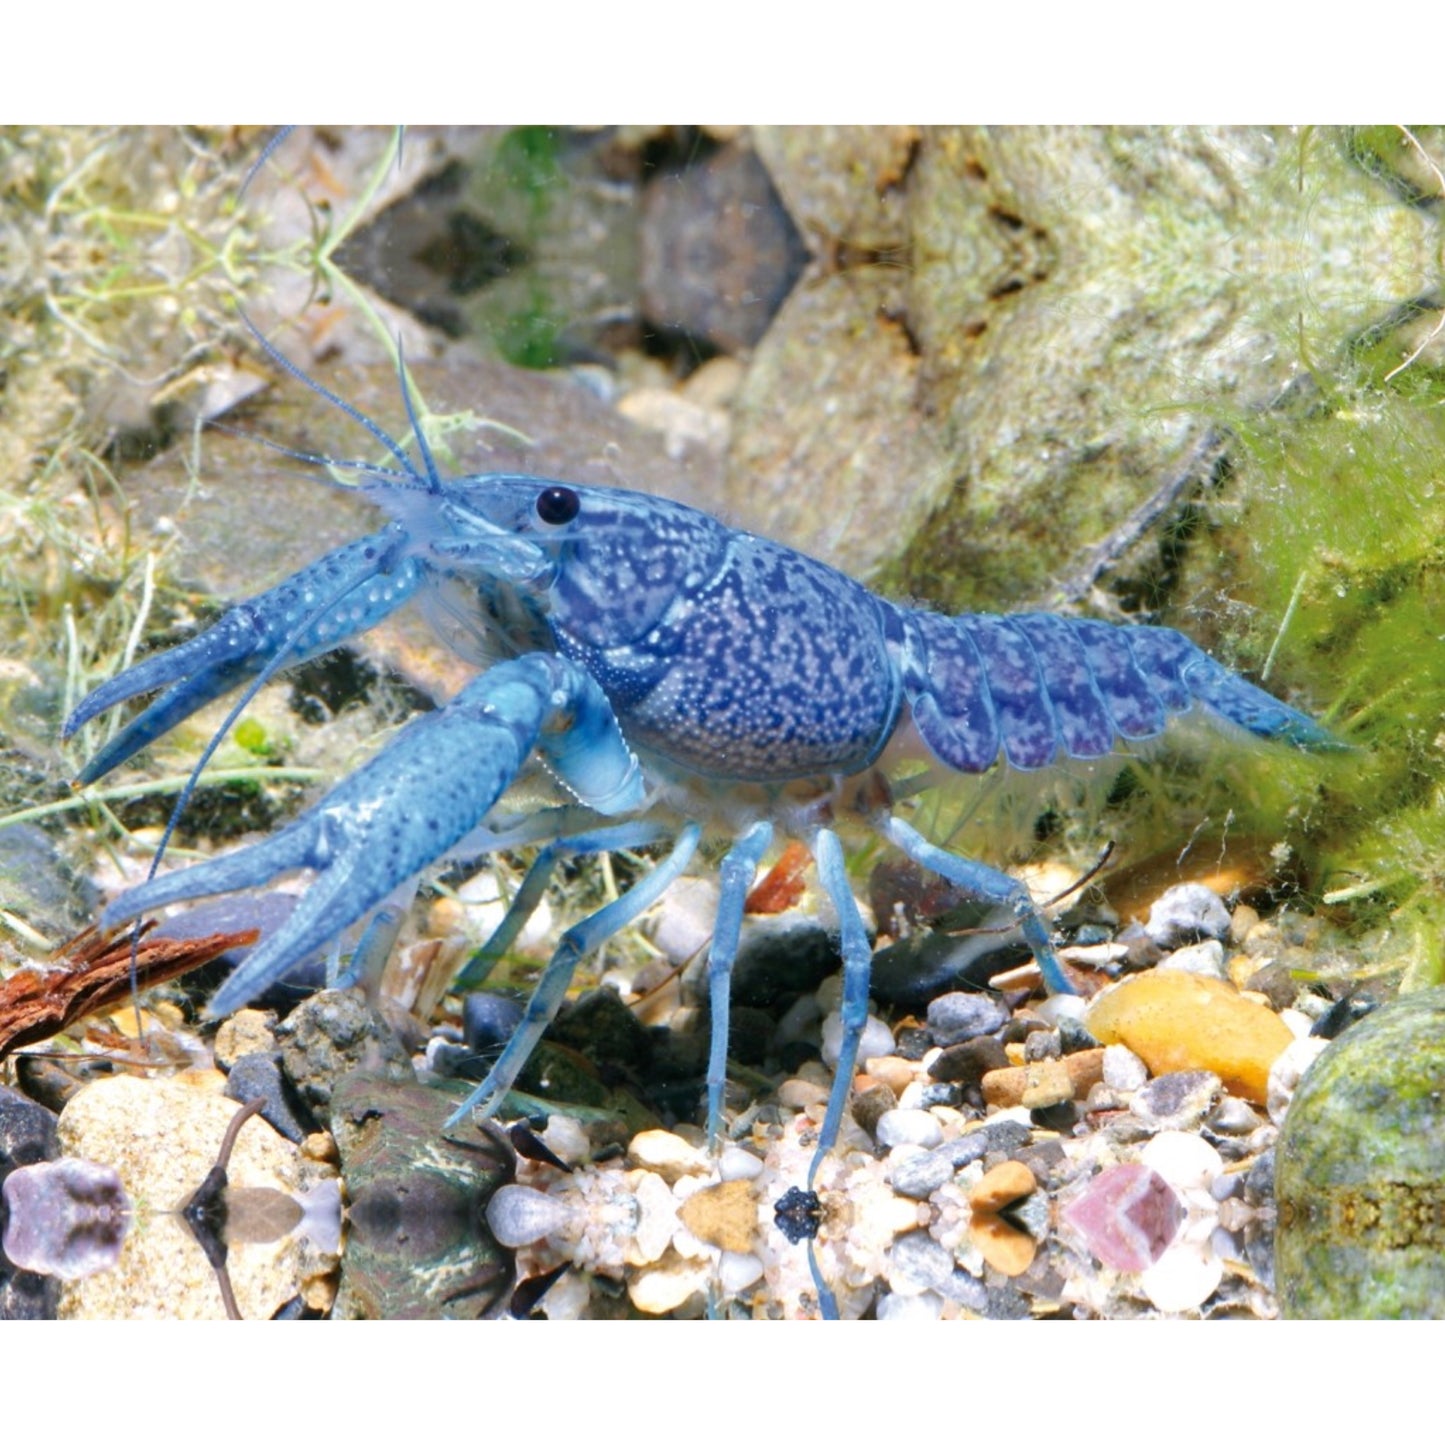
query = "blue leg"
x=576 y=943
x=986 y=883
x=534 y=885
x=737 y=873
x=857 y=964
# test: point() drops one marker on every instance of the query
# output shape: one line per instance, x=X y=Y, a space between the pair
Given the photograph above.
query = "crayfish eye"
x=557 y=505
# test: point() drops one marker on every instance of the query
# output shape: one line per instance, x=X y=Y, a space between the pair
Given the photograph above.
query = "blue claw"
x=413 y=802
x=345 y=592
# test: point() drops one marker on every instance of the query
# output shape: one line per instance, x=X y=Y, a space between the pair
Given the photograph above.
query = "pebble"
x=328 y=1035
x=966 y=1063
x=258 y=1076
x=1176 y=1101
x=1002 y=1185
x=668 y=1155
x=870 y=1105
x=910 y=1307
x=1010 y=1251
x=918 y=1172
x=1127 y=1216
x=1186 y=913
x=27 y=1132
x=1180 y=1021
x=1040 y=1085
x=908 y=1126
x=1124 y=1070
x=1206 y=959
x=889 y=1069
x=246 y=1032
x=917 y=1262
x=876 y=1039
x=954 y=1017
x=64 y=1217
x=1287 y=1072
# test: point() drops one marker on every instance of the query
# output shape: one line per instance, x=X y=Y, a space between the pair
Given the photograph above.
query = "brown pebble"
x=1002 y=1185
x=1008 y=1088
x=968 y=1062
x=726 y=1215
x=1010 y=1251
x=321 y=1147
x=1046 y=1083
x=871 y=1105
x=889 y=1069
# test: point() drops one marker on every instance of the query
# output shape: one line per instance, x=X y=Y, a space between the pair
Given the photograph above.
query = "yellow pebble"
x=1177 y=1021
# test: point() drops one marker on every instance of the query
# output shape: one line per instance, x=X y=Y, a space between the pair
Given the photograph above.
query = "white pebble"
x=1057 y=1007
x=925 y=1306
x=908 y=1126
x=877 y=1039
x=1205 y=958
x=1288 y=1070
x=1124 y=1070
x=737 y=1272
x=737 y=1163
x=1184 y=1160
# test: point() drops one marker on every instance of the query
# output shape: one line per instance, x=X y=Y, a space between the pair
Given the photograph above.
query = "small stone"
x=1233 y=1116
x=889 y=1069
x=246 y=1032
x=954 y=1017
x=258 y=1076
x=667 y=1285
x=965 y=1064
x=966 y=1148
x=1041 y=1085
x=27 y=1132
x=917 y=1262
x=912 y=1043
x=1010 y=1251
x=1127 y=1216
x=329 y=1035
x=1183 y=1161
x=1002 y=1185
x=1180 y=1021
x=909 y=1126
x=1047 y=1082
x=876 y=1040
x=1242 y=922
x=802 y=1094
x=1042 y=1044
x=1187 y=913
x=1124 y=1070
x=668 y=1155
x=918 y=1173
x=910 y=1307
x=66 y=1217
x=870 y=1105
x=1178 y=1100
x=1206 y=958
x=1074 y=1037
x=1289 y=1068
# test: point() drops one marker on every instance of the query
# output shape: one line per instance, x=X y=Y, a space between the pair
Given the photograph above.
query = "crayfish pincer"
x=673 y=676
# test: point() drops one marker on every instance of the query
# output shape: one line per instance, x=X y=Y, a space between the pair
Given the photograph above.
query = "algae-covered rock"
x=1360 y=1172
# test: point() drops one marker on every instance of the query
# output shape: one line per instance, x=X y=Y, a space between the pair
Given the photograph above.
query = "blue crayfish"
x=674 y=675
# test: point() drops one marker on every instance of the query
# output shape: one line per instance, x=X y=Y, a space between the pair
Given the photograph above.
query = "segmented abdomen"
x=1036 y=685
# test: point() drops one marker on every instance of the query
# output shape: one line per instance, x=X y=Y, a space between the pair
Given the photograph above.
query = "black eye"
x=557 y=505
